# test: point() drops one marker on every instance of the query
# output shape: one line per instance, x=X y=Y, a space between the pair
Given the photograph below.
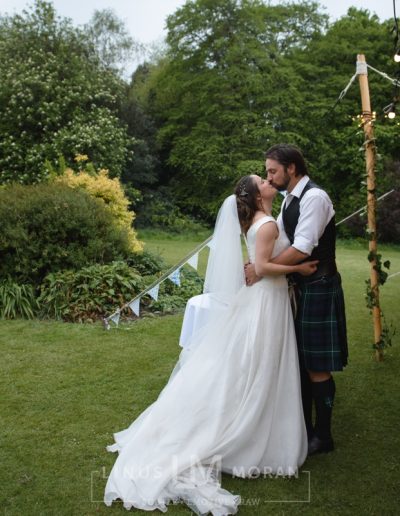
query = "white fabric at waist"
x=275 y=281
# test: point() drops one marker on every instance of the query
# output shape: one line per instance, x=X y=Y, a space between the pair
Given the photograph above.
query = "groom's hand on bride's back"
x=250 y=273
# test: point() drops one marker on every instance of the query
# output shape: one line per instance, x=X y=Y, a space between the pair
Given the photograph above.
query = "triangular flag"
x=115 y=318
x=210 y=244
x=193 y=261
x=106 y=324
x=175 y=277
x=135 y=306
x=154 y=292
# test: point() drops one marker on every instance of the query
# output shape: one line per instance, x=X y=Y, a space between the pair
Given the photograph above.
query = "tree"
x=220 y=96
x=112 y=43
x=57 y=97
x=142 y=172
x=332 y=139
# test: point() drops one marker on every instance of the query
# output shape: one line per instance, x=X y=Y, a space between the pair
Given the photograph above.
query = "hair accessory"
x=242 y=191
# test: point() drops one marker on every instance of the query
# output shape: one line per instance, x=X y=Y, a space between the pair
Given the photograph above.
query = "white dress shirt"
x=316 y=210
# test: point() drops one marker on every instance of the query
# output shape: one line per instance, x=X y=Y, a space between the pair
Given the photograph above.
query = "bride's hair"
x=246 y=192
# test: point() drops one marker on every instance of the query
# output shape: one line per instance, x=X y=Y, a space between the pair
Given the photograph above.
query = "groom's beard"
x=283 y=186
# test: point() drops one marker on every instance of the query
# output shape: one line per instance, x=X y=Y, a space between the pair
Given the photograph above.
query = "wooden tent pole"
x=369 y=144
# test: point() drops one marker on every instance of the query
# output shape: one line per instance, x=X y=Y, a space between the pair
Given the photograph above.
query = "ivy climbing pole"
x=370 y=153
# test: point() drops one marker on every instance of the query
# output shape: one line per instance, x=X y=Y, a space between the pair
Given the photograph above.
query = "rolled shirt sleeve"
x=316 y=210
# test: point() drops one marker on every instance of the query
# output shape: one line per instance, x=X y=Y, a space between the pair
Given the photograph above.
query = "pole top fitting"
x=361 y=65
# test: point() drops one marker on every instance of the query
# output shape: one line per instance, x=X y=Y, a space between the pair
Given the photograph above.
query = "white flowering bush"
x=55 y=98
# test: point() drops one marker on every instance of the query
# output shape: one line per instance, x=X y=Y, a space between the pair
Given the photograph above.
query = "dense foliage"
x=236 y=76
x=240 y=76
x=96 y=291
x=147 y=263
x=46 y=228
x=172 y=298
x=107 y=190
x=17 y=300
x=90 y=293
x=215 y=96
x=56 y=97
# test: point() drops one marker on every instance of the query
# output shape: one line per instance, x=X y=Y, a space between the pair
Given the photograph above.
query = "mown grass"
x=173 y=248
x=65 y=388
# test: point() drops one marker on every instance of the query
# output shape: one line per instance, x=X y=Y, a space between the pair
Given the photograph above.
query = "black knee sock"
x=324 y=394
x=307 y=399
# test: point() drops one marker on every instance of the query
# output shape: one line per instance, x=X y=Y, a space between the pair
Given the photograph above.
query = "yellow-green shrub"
x=100 y=185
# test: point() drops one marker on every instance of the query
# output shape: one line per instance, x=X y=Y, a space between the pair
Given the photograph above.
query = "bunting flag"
x=106 y=324
x=175 y=277
x=135 y=306
x=194 y=261
x=154 y=292
x=210 y=244
x=115 y=318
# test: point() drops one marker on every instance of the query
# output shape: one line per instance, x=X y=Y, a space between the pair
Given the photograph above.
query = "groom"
x=308 y=218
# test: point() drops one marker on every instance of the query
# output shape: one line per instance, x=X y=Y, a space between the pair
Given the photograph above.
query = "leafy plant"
x=49 y=227
x=56 y=97
x=147 y=263
x=372 y=300
x=90 y=293
x=173 y=298
x=158 y=210
x=99 y=185
x=17 y=300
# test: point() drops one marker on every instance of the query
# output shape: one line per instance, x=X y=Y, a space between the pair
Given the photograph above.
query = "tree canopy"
x=57 y=97
x=235 y=77
x=242 y=75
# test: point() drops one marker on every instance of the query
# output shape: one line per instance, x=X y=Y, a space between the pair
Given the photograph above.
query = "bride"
x=232 y=403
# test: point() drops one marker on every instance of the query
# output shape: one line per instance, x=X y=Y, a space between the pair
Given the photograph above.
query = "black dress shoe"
x=317 y=445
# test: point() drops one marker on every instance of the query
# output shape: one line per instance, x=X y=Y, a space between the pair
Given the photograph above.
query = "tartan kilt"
x=321 y=325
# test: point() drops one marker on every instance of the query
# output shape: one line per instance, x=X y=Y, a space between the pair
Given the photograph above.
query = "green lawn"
x=64 y=389
x=175 y=249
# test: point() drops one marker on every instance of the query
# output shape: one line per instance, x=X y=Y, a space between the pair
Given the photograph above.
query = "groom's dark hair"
x=286 y=155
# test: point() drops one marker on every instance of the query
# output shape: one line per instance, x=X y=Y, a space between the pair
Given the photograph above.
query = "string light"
x=364 y=119
x=397 y=56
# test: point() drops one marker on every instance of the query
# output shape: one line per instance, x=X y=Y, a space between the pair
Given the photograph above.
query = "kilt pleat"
x=321 y=325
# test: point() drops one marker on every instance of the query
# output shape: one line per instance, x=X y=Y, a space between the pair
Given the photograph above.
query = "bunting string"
x=173 y=274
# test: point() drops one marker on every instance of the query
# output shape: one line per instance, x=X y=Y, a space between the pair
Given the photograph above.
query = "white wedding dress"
x=232 y=404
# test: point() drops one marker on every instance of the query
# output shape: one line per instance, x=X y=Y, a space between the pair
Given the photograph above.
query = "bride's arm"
x=265 y=240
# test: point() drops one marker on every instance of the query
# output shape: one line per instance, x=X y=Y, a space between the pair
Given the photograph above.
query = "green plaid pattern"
x=321 y=325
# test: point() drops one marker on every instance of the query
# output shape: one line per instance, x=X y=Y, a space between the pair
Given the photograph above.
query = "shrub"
x=172 y=297
x=387 y=221
x=159 y=211
x=90 y=293
x=17 y=300
x=111 y=193
x=147 y=263
x=47 y=228
x=388 y=211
